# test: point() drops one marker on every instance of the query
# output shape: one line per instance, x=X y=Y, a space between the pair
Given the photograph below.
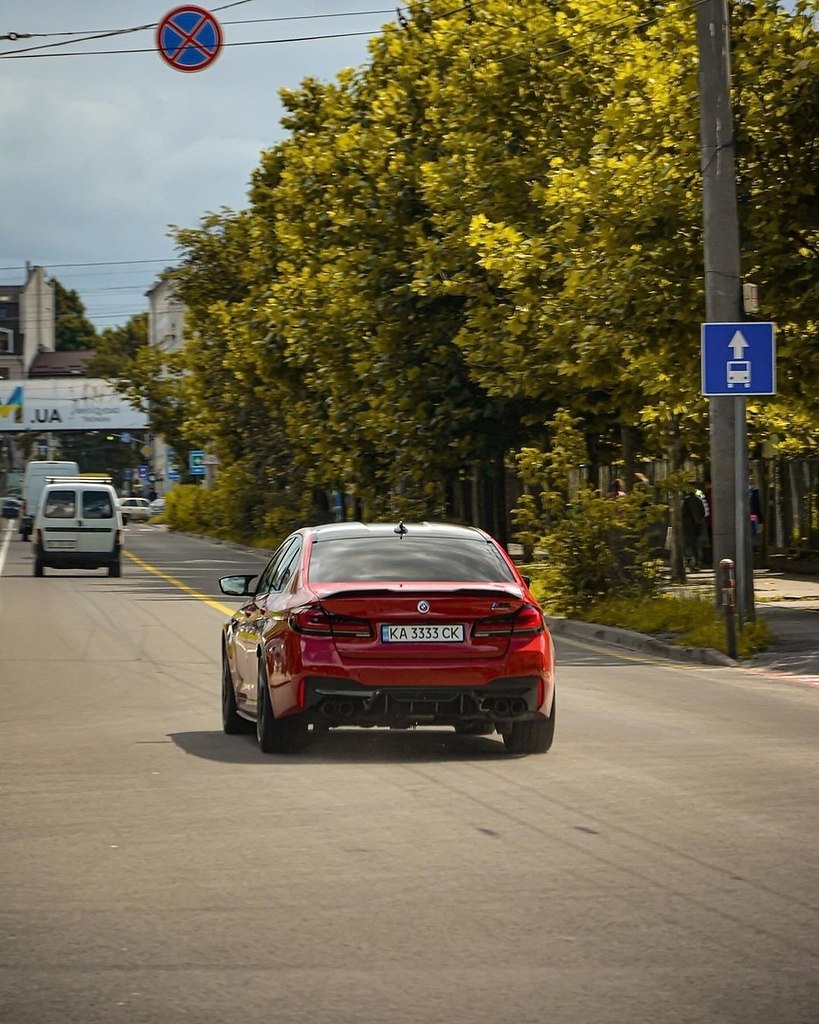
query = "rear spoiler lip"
x=511 y=591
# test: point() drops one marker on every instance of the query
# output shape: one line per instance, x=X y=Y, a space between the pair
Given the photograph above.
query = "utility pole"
x=723 y=297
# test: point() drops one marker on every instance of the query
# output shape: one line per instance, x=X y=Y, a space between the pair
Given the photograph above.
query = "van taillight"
x=39 y=537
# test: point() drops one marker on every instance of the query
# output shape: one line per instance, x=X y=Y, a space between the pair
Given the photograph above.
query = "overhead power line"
x=69 y=38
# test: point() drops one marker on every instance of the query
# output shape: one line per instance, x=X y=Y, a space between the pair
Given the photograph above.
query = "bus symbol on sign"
x=739 y=372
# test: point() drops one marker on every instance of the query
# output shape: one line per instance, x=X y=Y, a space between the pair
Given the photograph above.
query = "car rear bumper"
x=333 y=702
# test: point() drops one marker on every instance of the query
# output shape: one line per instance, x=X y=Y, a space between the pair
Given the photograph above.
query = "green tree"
x=117 y=348
x=73 y=331
x=496 y=218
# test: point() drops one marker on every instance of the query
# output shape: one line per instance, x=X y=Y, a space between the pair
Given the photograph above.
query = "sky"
x=102 y=151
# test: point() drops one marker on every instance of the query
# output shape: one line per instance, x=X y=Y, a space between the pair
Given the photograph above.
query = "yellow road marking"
x=179 y=584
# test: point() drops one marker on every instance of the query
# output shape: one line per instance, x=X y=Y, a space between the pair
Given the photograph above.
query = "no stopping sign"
x=189 y=38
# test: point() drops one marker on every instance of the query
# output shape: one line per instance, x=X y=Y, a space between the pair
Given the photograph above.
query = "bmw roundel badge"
x=423 y=606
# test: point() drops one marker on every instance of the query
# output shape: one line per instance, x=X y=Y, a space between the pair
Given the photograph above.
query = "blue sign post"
x=738 y=359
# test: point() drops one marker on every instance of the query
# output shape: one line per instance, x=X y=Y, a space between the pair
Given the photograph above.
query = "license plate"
x=61 y=545
x=453 y=634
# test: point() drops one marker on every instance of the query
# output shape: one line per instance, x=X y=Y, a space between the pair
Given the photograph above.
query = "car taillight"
x=501 y=625
x=118 y=537
x=315 y=621
x=527 y=620
x=39 y=537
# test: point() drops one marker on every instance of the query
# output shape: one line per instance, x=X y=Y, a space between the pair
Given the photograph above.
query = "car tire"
x=115 y=568
x=232 y=724
x=533 y=736
x=277 y=737
x=38 y=567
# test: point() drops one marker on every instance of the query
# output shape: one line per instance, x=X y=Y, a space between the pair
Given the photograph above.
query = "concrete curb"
x=575 y=630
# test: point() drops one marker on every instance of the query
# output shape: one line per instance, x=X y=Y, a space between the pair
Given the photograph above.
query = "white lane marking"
x=5 y=546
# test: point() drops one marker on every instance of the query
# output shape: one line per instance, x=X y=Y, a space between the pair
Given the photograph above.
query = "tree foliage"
x=496 y=218
x=73 y=331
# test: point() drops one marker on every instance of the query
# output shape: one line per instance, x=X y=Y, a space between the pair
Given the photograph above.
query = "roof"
x=61 y=364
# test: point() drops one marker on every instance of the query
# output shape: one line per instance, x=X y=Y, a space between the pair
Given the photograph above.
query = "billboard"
x=58 y=404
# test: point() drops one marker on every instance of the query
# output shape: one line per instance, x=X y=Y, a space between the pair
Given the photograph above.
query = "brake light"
x=315 y=621
x=526 y=621
x=500 y=625
x=39 y=537
x=529 y=620
x=311 y=620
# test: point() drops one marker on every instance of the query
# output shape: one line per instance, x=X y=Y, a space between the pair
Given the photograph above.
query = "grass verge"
x=689 y=621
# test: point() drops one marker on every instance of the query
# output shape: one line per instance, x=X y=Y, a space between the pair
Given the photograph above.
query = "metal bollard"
x=728 y=584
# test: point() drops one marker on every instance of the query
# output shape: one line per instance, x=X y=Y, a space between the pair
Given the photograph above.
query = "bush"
x=237 y=506
x=599 y=548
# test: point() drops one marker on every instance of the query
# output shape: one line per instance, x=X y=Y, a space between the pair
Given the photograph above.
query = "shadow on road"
x=348 y=746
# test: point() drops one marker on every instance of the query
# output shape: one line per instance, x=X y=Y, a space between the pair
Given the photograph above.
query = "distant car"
x=138 y=509
x=157 y=507
x=10 y=507
x=389 y=625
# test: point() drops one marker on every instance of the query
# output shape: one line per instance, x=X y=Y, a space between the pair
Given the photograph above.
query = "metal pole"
x=723 y=286
x=741 y=517
x=728 y=585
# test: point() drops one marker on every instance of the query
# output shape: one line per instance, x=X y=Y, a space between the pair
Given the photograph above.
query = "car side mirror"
x=236 y=586
x=527 y=580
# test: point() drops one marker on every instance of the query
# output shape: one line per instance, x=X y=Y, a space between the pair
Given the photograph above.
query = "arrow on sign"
x=738 y=344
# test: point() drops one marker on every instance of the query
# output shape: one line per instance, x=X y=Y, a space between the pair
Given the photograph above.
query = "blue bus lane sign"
x=738 y=359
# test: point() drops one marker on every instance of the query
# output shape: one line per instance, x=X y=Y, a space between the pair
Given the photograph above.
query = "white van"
x=33 y=482
x=78 y=525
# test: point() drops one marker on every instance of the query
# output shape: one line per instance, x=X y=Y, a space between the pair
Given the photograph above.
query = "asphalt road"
x=659 y=865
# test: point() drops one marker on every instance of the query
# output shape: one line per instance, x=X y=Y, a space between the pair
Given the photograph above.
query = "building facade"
x=26 y=323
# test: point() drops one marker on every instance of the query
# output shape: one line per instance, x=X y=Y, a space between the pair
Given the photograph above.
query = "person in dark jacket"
x=693 y=525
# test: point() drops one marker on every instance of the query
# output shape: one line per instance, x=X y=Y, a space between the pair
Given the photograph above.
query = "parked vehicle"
x=10 y=507
x=78 y=526
x=138 y=509
x=383 y=625
x=34 y=480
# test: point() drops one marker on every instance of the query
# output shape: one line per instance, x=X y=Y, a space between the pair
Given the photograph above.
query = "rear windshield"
x=97 y=505
x=368 y=559
x=60 y=505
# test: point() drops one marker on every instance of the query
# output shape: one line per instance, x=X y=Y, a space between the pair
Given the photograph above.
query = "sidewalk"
x=788 y=601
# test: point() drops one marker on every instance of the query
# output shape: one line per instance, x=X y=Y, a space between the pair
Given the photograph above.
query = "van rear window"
x=97 y=505
x=60 y=505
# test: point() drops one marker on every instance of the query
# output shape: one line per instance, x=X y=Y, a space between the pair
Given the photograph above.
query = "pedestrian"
x=693 y=525
x=708 y=539
x=755 y=505
x=618 y=489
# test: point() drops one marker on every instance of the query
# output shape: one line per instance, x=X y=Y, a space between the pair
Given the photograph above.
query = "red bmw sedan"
x=354 y=624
